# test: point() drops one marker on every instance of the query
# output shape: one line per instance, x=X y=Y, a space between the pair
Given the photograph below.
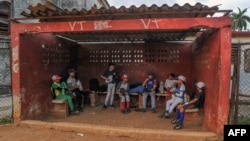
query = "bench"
x=59 y=108
x=95 y=99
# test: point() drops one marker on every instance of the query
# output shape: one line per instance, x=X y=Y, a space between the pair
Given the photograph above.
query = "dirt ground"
x=25 y=133
x=113 y=117
x=97 y=116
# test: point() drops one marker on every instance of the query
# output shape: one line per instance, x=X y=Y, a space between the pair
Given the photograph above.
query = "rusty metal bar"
x=119 y=15
x=237 y=85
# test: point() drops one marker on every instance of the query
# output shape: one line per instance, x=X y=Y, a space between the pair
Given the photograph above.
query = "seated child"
x=178 y=97
x=170 y=84
x=60 y=90
x=196 y=102
x=75 y=86
x=122 y=89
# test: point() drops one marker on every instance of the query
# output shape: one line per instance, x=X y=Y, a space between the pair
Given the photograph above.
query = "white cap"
x=182 y=78
x=200 y=85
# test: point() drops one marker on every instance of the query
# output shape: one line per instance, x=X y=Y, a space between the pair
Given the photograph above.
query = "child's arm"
x=145 y=81
x=155 y=85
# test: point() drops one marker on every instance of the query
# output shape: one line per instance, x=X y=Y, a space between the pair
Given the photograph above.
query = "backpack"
x=94 y=84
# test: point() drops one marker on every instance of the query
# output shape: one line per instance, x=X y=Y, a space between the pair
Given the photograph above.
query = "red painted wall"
x=211 y=64
x=136 y=71
x=35 y=75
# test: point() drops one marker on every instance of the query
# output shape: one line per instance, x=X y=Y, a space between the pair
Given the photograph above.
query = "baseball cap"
x=200 y=85
x=124 y=76
x=182 y=78
x=150 y=73
x=56 y=77
x=71 y=70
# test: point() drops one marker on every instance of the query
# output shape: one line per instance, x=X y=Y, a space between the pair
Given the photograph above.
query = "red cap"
x=56 y=77
x=124 y=76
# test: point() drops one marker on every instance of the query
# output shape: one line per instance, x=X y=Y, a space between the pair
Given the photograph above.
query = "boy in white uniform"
x=178 y=97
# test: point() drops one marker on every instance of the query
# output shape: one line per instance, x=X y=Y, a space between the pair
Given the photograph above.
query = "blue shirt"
x=150 y=84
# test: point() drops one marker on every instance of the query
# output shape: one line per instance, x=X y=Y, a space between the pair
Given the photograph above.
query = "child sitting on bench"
x=122 y=90
x=196 y=102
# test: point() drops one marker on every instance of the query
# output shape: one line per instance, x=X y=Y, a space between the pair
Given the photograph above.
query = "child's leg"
x=127 y=101
x=168 y=104
x=178 y=112
x=69 y=100
x=144 y=100
x=182 y=115
x=108 y=94
x=122 y=103
x=112 y=92
x=176 y=101
x=152 y=97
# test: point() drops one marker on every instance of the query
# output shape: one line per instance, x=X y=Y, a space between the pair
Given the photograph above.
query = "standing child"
x=150 y=84
x=122 y=89
x=197 y=102
x=178 y=97
x=110 y=76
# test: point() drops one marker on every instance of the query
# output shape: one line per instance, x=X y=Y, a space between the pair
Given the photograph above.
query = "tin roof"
x=49 y=12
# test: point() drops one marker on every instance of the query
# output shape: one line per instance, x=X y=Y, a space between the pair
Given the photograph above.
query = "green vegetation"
x=6 y=120
x=240 y=20
x=244 y=120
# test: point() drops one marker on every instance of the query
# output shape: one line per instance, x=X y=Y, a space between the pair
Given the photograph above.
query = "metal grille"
x=5 y=83
x=134 y=56
x=240 y=94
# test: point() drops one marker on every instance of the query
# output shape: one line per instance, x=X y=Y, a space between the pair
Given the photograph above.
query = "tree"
x=240 y=20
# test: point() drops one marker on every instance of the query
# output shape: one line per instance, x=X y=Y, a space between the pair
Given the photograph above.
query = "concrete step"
x=139 y=133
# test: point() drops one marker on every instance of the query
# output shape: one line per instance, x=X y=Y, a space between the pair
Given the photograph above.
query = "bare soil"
x=97 y=116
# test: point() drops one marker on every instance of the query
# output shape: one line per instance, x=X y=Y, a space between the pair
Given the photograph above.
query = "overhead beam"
x=161 y=24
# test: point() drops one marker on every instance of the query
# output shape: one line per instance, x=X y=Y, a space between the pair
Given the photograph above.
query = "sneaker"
x=153 y=110
x=166 y=115
x=104 y=107
x=128 y=110
x=74 y=112
x=80 y=109
x=178 y=126
x=143 y=110
x=124 y=111
x=112 y=106
x=175 y=121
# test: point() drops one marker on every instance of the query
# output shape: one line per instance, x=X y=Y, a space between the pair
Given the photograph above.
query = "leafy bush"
x=6 y=120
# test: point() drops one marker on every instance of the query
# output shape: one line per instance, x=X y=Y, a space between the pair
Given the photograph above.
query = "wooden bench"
x=59 y=108
x=95 y=99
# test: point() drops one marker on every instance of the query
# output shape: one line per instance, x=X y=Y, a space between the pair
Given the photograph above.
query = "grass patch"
x=6 y=120
x=244 y=120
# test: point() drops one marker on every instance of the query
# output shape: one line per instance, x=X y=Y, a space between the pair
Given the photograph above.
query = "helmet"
x=182 y=78
x=56 y=77
x=124 y=76
x=200 y=85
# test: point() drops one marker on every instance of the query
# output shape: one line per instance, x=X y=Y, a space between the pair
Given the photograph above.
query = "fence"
x=240 y=90
x=6 y=106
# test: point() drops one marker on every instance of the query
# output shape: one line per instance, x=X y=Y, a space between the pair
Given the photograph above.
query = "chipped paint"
x=15 y=53
x=15 y=68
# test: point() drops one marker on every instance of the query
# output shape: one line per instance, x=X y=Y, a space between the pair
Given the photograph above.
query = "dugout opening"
x=136 y=43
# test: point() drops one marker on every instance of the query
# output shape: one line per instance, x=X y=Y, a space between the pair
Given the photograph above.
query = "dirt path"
x=26 y=133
